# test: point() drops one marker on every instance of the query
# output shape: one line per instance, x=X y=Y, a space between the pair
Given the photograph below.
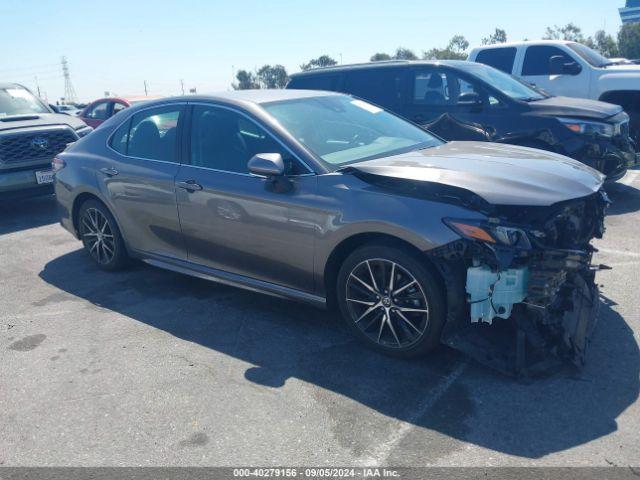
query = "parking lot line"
x=381 y=453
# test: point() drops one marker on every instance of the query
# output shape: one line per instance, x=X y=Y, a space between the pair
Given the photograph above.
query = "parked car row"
x=325 y=198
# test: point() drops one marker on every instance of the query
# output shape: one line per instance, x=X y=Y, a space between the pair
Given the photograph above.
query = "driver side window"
x=225 y=140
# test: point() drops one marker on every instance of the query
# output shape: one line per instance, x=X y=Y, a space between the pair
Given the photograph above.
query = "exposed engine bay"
x=529 y=290
x=520 y=283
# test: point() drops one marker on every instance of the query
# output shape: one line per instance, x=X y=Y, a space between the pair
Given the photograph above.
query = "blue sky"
x=116 y=45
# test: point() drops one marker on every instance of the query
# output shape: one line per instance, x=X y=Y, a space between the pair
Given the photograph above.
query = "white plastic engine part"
x=493 y=294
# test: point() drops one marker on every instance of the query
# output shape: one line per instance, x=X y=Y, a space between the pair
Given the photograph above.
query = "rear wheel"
x=101 y=236
x=391 y=301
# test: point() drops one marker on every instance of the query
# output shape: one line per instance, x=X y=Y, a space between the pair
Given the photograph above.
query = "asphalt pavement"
x=148 y=367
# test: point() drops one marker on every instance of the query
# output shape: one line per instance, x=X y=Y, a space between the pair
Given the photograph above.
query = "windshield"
x=590 y=55
x=19 y=101
x=508 y=85
x=342 y=130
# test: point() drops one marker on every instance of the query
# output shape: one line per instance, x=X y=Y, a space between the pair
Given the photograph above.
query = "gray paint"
x=238 y=230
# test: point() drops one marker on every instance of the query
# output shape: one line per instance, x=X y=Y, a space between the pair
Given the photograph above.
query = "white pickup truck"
x=569 y=69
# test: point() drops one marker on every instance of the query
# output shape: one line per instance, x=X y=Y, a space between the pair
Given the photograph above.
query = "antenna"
x=69 y=91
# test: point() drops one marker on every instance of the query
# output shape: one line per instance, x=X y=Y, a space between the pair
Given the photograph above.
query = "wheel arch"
x=343 y=249
x=627 y=99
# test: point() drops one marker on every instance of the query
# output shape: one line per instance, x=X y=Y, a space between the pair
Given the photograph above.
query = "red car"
x=100 y=110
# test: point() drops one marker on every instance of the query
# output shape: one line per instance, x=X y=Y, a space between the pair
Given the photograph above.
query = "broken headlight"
x=488 y=232
x=584 y=127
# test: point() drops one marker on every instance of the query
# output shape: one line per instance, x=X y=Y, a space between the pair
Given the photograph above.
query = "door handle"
x=109 y=171
x=190 y=185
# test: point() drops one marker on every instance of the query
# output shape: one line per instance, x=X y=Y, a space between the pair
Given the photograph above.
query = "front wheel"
x=391 y=301
x=101 y=236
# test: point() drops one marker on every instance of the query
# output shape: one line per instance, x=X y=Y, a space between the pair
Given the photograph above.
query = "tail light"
x=57 y=164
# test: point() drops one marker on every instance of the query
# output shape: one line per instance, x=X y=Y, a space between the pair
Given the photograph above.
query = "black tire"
x=427 y=294
x=111 y=254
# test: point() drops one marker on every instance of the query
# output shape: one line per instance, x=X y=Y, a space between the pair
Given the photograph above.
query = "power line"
x=28 y=69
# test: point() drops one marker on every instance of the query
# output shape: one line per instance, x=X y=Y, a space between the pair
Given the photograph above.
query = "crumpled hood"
x=39 y=120
x=575 y=107
x=500 y=174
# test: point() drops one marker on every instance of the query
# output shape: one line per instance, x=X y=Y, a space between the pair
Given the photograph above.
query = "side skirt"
x=232 y=279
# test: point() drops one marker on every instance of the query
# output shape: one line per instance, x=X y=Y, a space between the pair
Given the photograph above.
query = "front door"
x=138 y=179
x=536 y=70
x=237 y=222
x=451 y=106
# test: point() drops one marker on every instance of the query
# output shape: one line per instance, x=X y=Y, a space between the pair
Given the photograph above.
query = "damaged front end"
x=521 y=285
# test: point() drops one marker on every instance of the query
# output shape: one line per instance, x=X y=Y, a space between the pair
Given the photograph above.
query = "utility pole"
x=182 y=86
x=145 y=88
x=69 y=91
x=38 y=86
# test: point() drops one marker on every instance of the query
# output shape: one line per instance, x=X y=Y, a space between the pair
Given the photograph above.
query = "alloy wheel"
x=97 y=236
x=387 y=303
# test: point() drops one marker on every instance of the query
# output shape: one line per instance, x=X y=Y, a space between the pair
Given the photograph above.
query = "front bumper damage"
x=524 y=308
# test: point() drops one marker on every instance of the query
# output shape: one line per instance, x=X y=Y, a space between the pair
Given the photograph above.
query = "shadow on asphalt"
x=287 y=340
x=16 y=215
x=625 y=199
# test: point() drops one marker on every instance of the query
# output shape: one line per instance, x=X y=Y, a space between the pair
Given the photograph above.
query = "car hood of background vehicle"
x=500 y=174
x=575 y=107
x=39 y=120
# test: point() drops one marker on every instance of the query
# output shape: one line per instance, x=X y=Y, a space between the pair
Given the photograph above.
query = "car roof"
x=524 y=43
x=382 y=64
x=10 y=85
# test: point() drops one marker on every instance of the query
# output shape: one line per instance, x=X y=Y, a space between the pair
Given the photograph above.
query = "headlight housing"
x=584 y=127
x=489 y=233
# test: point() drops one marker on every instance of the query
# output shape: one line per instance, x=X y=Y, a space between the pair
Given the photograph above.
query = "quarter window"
x=536 y=60
x=120 y=139
x=500 y=58
x=224 y=140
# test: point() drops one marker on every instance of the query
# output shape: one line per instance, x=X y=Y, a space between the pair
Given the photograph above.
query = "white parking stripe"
x=629 y=178
x=378 y=457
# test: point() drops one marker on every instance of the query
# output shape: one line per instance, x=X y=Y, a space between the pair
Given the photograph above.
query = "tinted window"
x=536 y=60
x=500 y=58
x=98 y=111
x=446 y=88
x=315 y=82
x=153 y=134
x=382 y=86
x=224 y=140
x=120 y=139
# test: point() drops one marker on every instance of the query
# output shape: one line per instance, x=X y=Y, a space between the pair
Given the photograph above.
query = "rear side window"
x=500 y=58
x=99 y=111
x=316 y=82
x=150 y=134
x=382 y=86
x=536 y=60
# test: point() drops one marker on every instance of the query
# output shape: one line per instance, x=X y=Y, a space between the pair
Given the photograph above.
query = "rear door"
x=536 y=70
x=138 y=179
x=237 y=222
x=384 y=86
x=502 y=58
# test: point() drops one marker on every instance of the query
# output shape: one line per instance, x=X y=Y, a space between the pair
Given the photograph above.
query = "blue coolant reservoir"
x=492 y=294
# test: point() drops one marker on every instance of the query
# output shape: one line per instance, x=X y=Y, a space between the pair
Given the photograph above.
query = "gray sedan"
x=327 y=199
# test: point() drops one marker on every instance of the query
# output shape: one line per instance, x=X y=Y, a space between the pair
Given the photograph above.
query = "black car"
x=460 y=100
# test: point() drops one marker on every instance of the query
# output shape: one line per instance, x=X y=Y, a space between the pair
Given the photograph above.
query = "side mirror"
x=266 y=165
x=557 y=66
x=471 y=99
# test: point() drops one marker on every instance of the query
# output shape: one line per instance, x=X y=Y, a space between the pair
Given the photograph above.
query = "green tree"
x=499 y=36
x=605 y=44
x=321 y=61
x=629 y=40
x=404 y=54
x=380 y=57
x=245 y=81
x=272 y=76
x=570 y=32
x=455 y=50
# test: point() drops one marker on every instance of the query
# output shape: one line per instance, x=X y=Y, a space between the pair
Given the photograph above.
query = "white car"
x=569 y=69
